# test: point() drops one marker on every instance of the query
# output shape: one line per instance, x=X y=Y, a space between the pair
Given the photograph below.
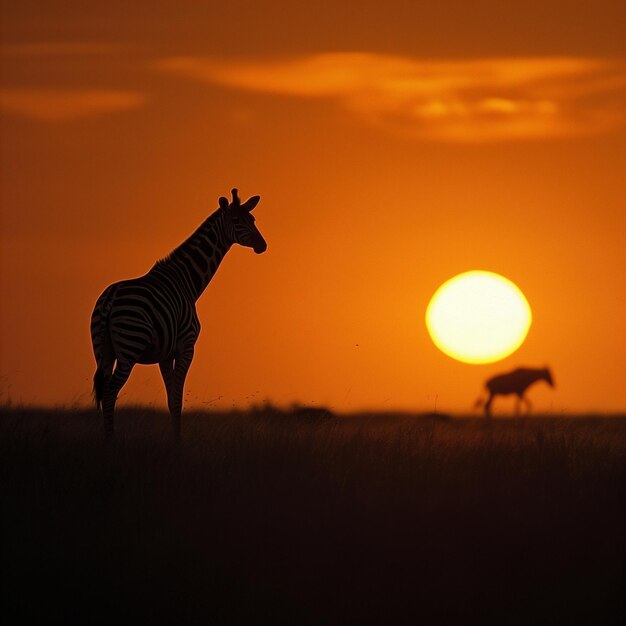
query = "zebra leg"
x=167 y=372
x=175 y=393
x=488 y=406
x=112 y=386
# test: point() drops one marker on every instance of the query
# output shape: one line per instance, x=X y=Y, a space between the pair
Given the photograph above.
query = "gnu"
x=153 y=319
x=515 y=382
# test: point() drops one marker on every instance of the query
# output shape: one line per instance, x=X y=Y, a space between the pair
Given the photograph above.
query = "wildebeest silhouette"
x=515 y=382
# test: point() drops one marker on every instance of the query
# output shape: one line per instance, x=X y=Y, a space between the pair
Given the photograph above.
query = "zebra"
x=515 y=382
x=153 y=319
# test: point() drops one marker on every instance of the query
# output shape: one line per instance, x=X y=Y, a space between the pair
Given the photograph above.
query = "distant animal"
x=153 y=319
x=515 y=382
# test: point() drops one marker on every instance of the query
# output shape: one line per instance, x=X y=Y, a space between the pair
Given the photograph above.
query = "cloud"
x=55 y=105
x=477 y=100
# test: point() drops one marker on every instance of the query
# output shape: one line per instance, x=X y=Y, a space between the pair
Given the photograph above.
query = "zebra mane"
x=163 y=261
x=174 y=254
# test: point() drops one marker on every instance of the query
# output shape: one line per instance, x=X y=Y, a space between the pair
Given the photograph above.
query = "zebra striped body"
x=153 y=319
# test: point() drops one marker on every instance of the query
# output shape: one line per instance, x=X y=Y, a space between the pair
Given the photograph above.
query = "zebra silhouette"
x=153 y=319
x=515 y=382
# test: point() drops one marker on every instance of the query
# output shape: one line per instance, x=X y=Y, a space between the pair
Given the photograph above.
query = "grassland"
x=287 y=518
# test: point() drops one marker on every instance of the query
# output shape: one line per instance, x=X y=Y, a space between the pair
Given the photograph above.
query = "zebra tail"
x=479 y=402
x=98 y=387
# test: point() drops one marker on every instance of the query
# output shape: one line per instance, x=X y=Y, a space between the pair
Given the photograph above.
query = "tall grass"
x=287 y=518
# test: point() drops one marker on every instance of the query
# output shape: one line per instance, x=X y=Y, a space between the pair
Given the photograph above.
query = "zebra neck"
x=196 y=260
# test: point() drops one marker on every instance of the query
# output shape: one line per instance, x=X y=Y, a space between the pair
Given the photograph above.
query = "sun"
x=478 y=317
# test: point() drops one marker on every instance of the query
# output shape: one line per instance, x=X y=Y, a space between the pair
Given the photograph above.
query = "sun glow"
x=478 y=317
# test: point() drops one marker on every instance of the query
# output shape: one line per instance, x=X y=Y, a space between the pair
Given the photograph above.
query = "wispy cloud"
x=480 y=100
x=54 y=105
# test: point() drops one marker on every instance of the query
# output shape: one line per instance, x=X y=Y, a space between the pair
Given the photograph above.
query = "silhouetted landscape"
x=301 y=517
x=334 y=206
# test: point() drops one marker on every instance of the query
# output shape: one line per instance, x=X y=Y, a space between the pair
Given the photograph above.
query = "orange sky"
x=394 y=145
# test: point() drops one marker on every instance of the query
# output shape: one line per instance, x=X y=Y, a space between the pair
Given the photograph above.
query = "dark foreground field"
x=273 y=519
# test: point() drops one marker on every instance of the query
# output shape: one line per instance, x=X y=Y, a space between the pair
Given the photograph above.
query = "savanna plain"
x=273 y=516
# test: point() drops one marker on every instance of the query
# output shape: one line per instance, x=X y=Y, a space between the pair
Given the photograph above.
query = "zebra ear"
x=250 y=203
x=223 y=202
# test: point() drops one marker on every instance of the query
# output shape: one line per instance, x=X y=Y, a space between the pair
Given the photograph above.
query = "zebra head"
x=244 y=230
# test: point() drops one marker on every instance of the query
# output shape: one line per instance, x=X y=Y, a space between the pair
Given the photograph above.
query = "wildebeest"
x=515 y=382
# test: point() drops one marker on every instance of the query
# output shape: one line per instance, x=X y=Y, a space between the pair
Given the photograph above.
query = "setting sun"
x=478 y=317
